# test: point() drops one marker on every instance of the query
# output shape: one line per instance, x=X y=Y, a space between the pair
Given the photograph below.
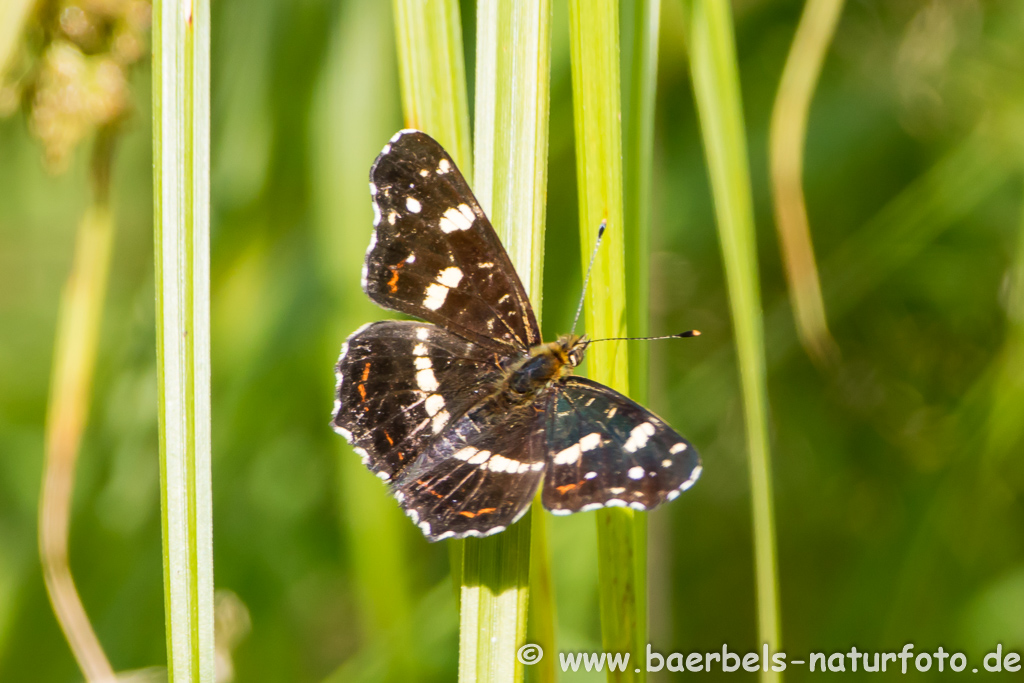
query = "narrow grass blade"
x=717 y=90
x=432 y=73
x=511 y=140
x=78 y=328
x=621 y=533
x=181 y=144
x=640 y=73
x=787 y=136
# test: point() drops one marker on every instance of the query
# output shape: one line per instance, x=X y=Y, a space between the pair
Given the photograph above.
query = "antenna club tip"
x=690 y=333
x=602 y=227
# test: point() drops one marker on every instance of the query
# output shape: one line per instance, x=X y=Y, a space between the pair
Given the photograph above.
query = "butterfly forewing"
x=479 y=476
x=605 y=450
x=394 y=389
x=435 y=255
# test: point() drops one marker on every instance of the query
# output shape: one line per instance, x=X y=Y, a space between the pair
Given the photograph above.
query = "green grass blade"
x=181 y=144
x=788 y=133
x=432 y=73
x=594 y=41
x=640 y=72
x=511 y=140
x=717 y=90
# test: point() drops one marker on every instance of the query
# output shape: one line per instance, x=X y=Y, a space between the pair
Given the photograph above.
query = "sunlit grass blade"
x=788 y=134
x=181 y=159
x=77 y=339
x=621 y=537
x=640 y=73
x=511 y=140
x=717 y=90
x=432 y=74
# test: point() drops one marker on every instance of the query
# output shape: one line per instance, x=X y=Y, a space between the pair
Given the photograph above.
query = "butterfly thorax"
x=546 y=363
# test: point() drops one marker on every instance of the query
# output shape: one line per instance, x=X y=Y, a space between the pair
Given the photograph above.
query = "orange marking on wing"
x=362 y=392
x=566 y=488
x=393 y=282
x=366 y=371
x=429 y=490
x=390 y=440
x=481 y=511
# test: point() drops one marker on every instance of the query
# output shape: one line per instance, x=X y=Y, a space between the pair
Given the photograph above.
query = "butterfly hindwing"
x=434 y=254
x=394 y=389
x=605 y=450
x=477 y=477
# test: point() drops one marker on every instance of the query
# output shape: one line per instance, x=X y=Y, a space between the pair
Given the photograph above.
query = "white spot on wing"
x=590 y=475
x=443 y=166
x=439 y=421
x=422 y=362
x=383 y=475
x=422 y=333
x=666 y=463
x=450 y=277
x=457 y=219
x=411 y=258
x=679 y=447
x=413 y=204
x=573 y=453
x=465 y=453
x=419 y=350
x=434 y=404
x=426 y=380
x=392 y=217
x=499 y=463
x=568 y=456
x=373 y=189
x=638 y=437
x=636 y=472
x=479 y=458
x=436 y=294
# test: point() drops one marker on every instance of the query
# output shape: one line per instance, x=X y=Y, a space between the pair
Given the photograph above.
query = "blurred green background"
x=898 y=472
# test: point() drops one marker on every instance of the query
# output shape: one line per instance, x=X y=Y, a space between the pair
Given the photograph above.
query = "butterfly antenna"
x=586 y=280
x=681 y=335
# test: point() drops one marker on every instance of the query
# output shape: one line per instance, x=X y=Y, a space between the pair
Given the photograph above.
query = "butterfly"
x=467 y=414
